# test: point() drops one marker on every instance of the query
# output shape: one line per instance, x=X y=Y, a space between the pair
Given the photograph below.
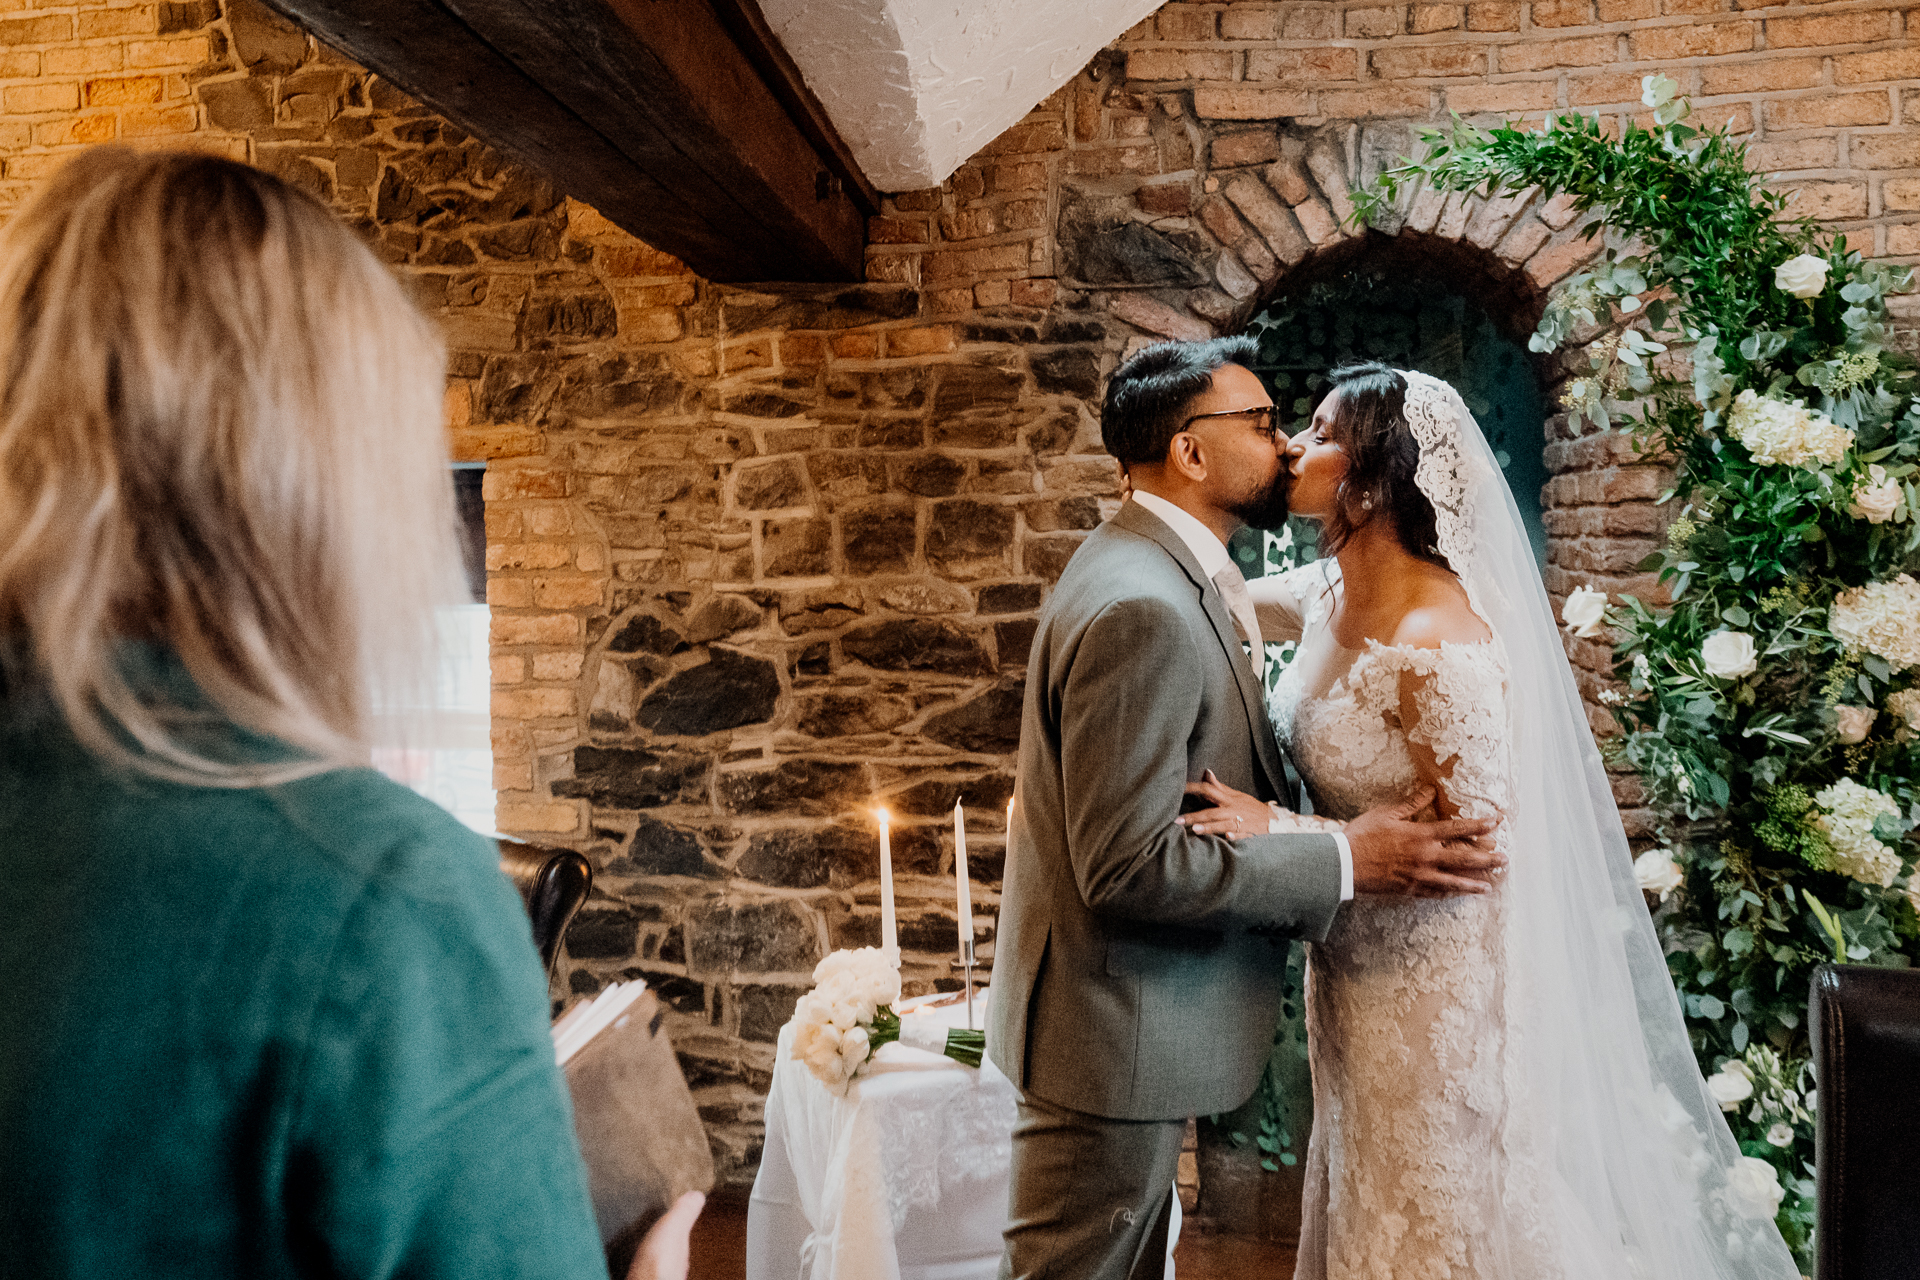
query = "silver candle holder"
x=964 y=965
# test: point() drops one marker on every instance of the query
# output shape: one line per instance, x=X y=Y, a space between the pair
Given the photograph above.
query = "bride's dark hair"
x=1370 y=426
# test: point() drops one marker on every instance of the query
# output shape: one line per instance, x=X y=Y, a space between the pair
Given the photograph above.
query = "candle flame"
x=882 y=815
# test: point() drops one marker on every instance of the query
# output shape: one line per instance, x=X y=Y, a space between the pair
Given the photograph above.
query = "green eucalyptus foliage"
x=1736 y=762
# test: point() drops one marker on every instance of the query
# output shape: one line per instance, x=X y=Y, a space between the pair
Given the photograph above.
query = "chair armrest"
x=1865 y=1027
x=553 y=883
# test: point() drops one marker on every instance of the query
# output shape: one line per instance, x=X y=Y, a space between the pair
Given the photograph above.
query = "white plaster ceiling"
x=917 y=86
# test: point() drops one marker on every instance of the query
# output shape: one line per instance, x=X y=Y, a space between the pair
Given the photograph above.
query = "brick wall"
x=762 y=560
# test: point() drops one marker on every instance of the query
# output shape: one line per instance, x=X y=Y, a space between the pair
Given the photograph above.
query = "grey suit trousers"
x=1092 y=1197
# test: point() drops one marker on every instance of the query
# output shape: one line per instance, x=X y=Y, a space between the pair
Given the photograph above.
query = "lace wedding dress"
x=1503 y=1084
x=1407 y=1175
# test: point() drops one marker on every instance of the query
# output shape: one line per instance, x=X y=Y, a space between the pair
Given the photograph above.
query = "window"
x=446 y=754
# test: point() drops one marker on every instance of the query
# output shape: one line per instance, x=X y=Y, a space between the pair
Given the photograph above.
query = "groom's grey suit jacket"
x=1138 y=967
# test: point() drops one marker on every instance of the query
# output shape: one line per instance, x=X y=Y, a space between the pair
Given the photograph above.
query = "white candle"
x=889 y=933
x=964 y=889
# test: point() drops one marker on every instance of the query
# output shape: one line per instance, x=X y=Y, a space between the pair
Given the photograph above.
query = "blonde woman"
x=267 y=1013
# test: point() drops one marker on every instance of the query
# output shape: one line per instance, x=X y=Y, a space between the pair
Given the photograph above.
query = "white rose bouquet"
x=849 y=1014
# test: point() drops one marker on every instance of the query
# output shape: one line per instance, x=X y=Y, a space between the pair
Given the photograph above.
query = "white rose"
x=843 y=1014
x=818 y=1046
x=1731 y=1085
x=837 y=962
x=1853 y=723
x=805 y=1035
x=854 y=1049
x=1656 y=872
x=1584 y=610
x=1753 y=1188
x=1875 y=498
x=1781 y=1135
x=1728 y=655
x=1804 y=276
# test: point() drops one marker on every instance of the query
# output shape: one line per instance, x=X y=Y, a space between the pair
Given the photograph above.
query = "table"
x=902 y=1178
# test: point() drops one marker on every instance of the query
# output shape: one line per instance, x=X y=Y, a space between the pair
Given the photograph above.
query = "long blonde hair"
x=220 y=438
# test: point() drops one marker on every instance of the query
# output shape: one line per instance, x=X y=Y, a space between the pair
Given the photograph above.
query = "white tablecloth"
x=902 y=1178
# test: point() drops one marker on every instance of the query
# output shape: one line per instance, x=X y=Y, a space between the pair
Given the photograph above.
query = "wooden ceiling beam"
x=681 y=121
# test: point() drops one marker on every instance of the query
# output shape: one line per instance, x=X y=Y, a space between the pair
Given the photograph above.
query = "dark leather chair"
x=1865 y=1024
x=553 y=883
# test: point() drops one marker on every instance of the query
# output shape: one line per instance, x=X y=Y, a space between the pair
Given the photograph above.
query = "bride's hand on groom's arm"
x=1234 y=813
x=1395 y=854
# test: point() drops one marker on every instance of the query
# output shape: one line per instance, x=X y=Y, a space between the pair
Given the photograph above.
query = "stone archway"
x=1198 y=252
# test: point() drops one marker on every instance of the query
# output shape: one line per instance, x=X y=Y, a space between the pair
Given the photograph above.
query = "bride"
x=1502 y=1084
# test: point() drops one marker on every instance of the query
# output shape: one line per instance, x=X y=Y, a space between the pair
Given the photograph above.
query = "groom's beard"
x=1265 y=509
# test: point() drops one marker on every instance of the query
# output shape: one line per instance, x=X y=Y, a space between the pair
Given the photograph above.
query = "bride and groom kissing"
x=1503 y=1086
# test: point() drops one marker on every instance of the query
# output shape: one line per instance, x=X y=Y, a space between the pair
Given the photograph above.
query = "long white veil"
x=1608 y=1115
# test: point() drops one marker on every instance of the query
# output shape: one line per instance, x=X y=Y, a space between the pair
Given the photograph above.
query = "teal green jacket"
x=294 y=1031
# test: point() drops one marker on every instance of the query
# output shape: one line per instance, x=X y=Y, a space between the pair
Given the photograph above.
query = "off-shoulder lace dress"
x=1408 y=1172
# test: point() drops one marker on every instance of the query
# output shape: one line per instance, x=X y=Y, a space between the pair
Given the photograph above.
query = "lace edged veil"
x=1608 y=1115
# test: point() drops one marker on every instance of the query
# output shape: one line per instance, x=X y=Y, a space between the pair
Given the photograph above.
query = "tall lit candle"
x=889 y=933
x=961 y=885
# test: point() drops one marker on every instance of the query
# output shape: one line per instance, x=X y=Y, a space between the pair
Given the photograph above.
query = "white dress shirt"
x=1207 y=548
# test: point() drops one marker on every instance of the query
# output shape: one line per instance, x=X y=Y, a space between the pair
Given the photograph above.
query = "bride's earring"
x=1366 y=503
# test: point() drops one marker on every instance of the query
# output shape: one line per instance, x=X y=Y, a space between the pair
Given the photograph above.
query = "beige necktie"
x=1233 y=588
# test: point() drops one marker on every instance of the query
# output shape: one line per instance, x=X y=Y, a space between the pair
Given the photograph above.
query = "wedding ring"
x=1237 y=822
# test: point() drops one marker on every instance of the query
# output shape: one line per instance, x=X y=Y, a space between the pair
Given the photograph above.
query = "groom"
x=1137 y=979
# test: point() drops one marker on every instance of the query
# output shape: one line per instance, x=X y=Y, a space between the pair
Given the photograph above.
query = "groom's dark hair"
x=1148 y=393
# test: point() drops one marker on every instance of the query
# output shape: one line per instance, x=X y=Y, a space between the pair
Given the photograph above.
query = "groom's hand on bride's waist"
x=1394 y=854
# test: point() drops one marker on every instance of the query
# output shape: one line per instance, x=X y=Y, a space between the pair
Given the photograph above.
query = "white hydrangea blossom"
x=1882 y=618
x=1848 y=824
x=1786 y=432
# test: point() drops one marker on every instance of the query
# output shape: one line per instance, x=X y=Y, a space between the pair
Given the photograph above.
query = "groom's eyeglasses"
x=1264 y=420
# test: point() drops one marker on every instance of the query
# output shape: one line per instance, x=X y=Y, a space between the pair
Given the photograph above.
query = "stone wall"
x=763 y=560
